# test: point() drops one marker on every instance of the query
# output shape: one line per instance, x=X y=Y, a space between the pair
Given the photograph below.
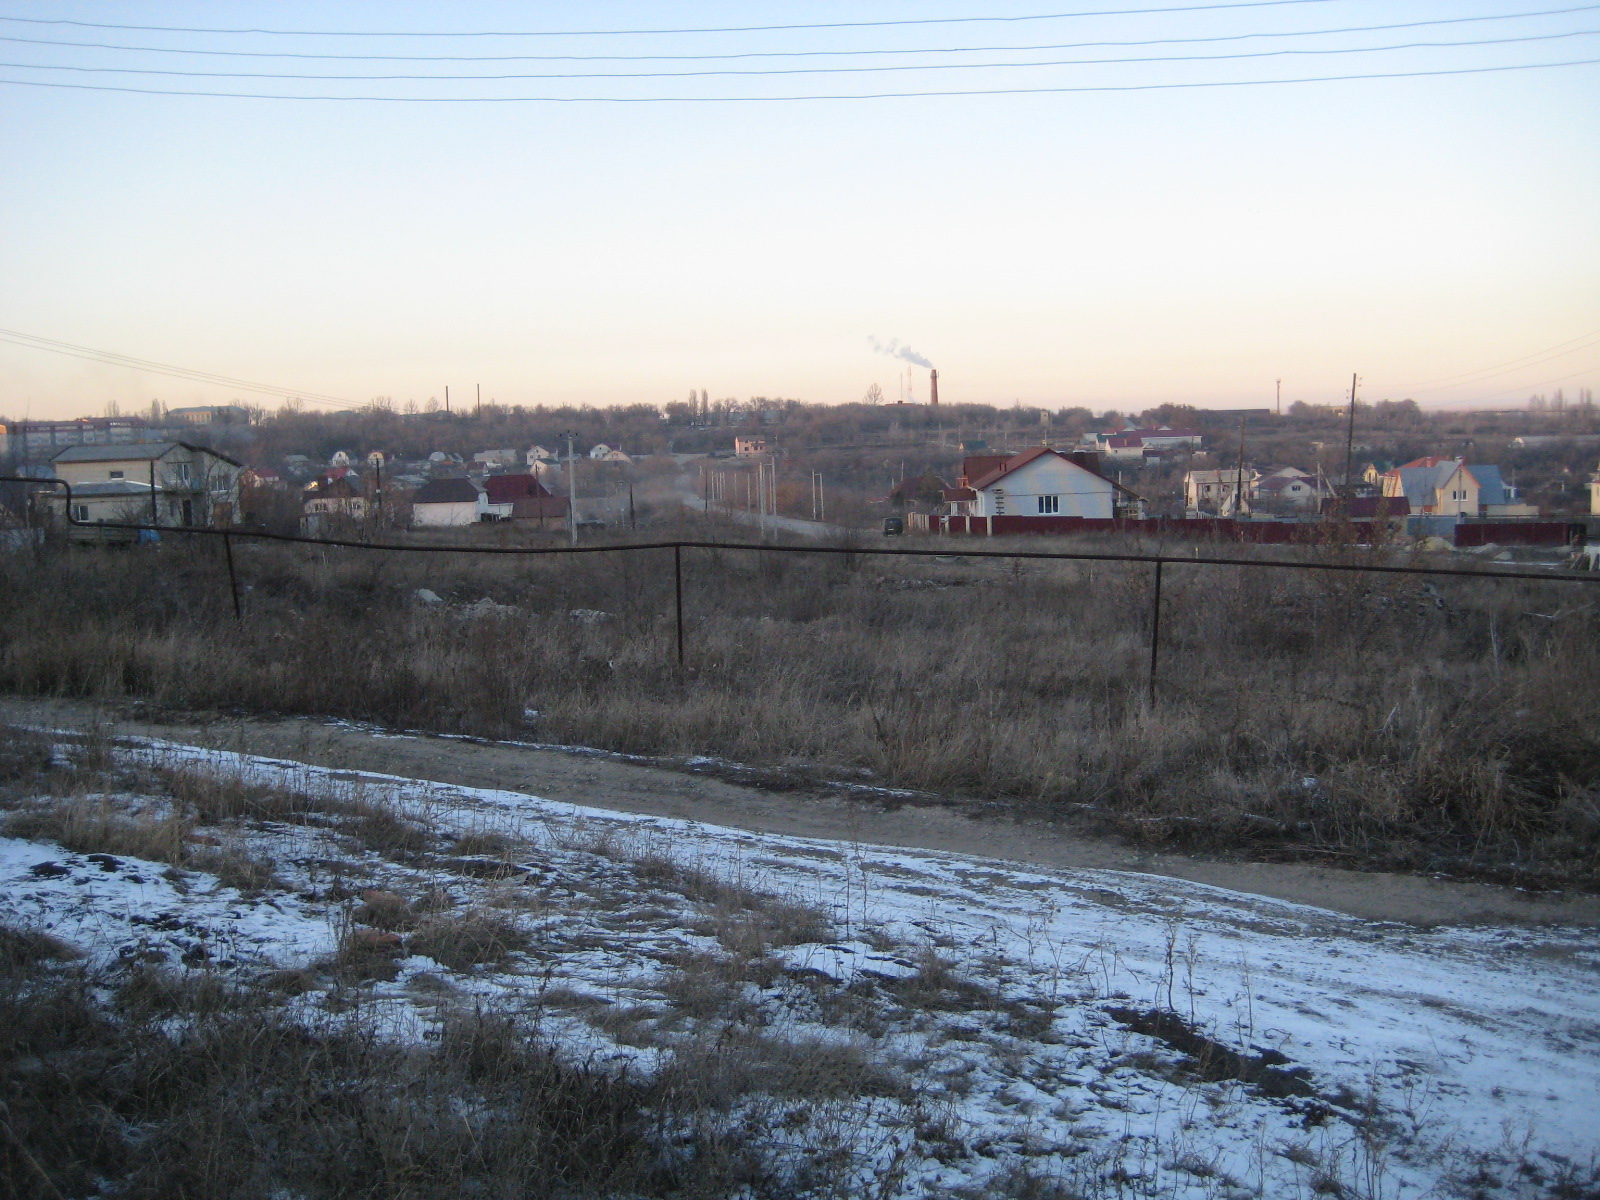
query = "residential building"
x=1289 y=489
x=520 y=498
x=1452 y=487
x=160 y=483
x=496 y=458
x=1210 y=491
x=749 y=447
x=209 y=414
x=1136 y=444
x=445 y=502
x=39 y=440
x=1036 y=483
x=1594 y=492
x=336 y=494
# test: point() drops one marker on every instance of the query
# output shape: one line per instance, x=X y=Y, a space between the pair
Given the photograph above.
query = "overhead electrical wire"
x=749 y=99
x=902 y=23
x=763 y=72
x=111 y=358
x=744 y=54
x=1537 y=358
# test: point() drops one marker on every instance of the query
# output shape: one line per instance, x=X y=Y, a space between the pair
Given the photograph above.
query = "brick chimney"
x=933 y=388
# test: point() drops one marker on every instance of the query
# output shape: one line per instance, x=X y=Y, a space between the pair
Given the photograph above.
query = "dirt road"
x=606 y=782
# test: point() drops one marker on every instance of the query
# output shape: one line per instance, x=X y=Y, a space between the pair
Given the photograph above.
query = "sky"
x=1437 y=234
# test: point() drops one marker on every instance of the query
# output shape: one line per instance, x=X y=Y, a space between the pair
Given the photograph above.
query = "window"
x=1049 y=504
x=114 y=474
x=181 y=470
x=80 y=512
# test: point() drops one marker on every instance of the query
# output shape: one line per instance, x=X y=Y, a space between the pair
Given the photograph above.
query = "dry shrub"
x=1444 y=723
x=235 y=1099
x=467 y=939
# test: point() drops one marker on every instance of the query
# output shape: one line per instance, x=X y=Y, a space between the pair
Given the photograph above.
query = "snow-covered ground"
x=1113 y=1033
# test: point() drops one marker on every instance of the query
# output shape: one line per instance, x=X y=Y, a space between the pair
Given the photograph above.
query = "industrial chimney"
x=933 y=388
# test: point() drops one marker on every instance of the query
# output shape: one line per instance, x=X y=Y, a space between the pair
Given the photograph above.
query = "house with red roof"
x=1041 y=482
x=520 y=498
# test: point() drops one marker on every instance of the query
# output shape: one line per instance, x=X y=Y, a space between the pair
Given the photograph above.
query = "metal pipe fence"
x=678 y=546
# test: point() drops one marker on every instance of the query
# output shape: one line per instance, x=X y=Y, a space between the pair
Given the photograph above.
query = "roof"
x=1277 y=483
x=1017 y=461
x=111 y=487
x=505 y=489
x=959 y=493
x=133 y=451
x=1491 y=487
x=446 y=491
x=975 y=466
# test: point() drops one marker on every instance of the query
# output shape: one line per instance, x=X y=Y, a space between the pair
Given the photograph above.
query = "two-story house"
x=150 y=483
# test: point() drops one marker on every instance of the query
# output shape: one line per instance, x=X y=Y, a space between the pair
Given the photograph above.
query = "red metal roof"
x=507 y=489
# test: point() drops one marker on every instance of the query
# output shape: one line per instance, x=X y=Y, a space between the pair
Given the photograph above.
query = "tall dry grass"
x=1447 y=724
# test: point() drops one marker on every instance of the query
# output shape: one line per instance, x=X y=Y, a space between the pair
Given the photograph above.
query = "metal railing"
x=678 y=546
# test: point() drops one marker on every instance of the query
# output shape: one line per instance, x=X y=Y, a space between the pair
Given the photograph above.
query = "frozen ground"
x=996 y=1029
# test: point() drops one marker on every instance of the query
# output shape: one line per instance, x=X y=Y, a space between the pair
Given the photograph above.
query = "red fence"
x=1517 y=533
x=1203 y=529
x=1224 y=529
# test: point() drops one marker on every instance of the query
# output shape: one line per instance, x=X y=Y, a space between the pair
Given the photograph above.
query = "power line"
x=112 y=358
x=1538 y=358
x=1014 y=91
x=852 y=70
x=744 y=54
x=432 y=33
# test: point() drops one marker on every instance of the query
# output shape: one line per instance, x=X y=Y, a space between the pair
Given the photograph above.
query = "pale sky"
x=1440 y=235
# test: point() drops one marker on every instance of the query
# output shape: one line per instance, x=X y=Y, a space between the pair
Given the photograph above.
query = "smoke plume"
x=894 y=349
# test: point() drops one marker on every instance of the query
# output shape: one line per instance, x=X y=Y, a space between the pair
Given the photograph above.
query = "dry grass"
x=193 y=1090
x=1447 y=725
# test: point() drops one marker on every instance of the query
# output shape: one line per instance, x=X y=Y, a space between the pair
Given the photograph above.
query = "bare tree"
x=874 y=395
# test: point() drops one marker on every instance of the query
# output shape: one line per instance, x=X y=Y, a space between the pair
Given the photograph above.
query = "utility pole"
x=447 y=397
x=572 y=489
x=1238 y=481
x=1279 y=407
x=1350 y=438
x=477 y=407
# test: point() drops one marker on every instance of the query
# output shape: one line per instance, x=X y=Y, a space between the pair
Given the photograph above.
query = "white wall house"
x=1043 y=483
x=441 y=503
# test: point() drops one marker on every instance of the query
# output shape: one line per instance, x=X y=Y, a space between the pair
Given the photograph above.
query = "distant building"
x=209 y=414
x=445 y=502
x=1036 y=483
x=1451 y=487
x=157 y=483
x=1211 y=491
x=1289 y=488
x=1594 y=492
x=520 y=498
x=41 y=439
x=338 y=493
x=1137 y=444
x=749 y=447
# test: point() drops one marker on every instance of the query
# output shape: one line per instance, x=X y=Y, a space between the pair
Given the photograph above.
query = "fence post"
x=1155 y=633
x=233 y=578
x=677 y=587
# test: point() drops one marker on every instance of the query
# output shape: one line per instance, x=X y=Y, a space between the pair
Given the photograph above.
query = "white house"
x=159 y=483
x=1289 y=488
x=1036 y=483
x=599 y=450
x=1212 y=490
x=446 y=502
